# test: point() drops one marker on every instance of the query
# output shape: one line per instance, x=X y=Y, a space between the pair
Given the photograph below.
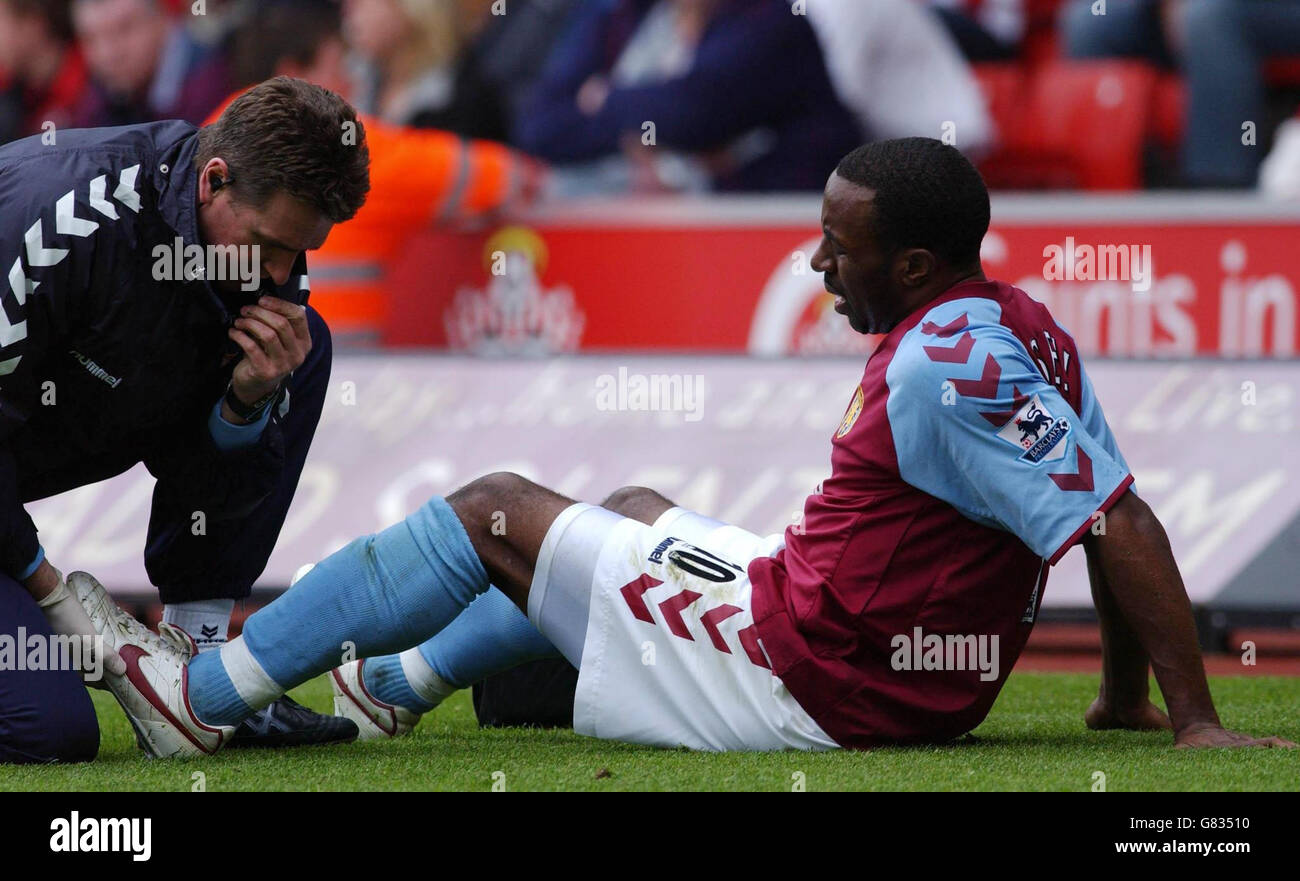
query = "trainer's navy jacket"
x=102 y=365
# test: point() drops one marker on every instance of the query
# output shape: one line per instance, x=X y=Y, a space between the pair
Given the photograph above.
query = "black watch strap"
x=249 y=412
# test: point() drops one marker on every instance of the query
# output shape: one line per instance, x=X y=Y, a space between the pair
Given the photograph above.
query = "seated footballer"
x=973 y=455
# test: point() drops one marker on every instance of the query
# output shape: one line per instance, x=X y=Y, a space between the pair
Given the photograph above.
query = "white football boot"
x=375 y=719
x=154 y=691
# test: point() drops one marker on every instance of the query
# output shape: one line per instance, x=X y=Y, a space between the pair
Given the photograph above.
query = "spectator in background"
x=1279 y=174
x=298 y=38
x=900 y=74
x=42 y=74
x=418 y=177
x=735 y=90
x=514 y=48
x=221 y=19
x=144 y=65
x=985 y=30
x=416 y=66
x=1219 y=46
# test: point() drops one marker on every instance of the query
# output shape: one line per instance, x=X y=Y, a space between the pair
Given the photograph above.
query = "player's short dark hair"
x=927 y=195
x=287 y=135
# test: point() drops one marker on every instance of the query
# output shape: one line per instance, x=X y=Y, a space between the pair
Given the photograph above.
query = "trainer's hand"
x=1102 y=716
x=1201 y=736
x=274 y=336
x=68 y=618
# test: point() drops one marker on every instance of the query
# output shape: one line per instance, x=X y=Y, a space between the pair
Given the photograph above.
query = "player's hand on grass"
x=1209 y=735
x=274 y=336
x=67 y=617
x=1146 y=716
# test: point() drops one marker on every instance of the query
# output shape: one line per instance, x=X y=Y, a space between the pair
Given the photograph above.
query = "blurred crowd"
x=734 y=95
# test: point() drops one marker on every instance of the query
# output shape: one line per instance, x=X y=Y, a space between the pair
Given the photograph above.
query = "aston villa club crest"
x=1036 y=432
x=851 y=415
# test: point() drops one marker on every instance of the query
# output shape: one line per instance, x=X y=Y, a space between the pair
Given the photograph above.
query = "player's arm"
x=1124 y=699
x=1136 y=565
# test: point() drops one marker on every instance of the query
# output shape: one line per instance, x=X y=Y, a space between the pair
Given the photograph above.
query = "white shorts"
x=670 y=655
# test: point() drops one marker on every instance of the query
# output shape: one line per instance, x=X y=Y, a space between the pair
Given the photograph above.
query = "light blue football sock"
x=378 y=595
x=489 y=637
x=385 y=679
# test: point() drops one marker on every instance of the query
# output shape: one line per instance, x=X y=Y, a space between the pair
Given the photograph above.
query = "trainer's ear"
x=212 y=177
x=914 y=267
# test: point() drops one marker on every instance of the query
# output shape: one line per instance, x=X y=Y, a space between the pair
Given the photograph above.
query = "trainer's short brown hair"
x=287 y=135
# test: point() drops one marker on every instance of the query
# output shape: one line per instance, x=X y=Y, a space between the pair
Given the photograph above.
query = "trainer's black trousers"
x=45 y=715
x=224 y=562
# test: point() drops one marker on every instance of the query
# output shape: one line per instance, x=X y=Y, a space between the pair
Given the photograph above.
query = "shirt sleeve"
x=229 y=436
x=34 y=565
x=990 y=436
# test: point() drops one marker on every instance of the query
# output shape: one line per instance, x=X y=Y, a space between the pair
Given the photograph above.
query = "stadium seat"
x=1021 y=160
x=1284 y=72
x=1041 y=42
x=1168 y=104
x=1068 y=124
x=1097 y=113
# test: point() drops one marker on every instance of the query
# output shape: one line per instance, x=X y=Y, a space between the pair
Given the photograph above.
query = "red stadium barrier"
x=732 y=275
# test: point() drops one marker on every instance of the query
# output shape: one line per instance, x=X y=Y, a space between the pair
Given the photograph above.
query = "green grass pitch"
x=1033 y=740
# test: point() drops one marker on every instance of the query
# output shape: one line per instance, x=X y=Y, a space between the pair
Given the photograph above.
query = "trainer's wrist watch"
x=249 y=412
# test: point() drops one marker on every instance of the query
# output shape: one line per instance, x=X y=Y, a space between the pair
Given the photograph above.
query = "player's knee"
x=504 y=486
x=632 y=500
x=479 y=500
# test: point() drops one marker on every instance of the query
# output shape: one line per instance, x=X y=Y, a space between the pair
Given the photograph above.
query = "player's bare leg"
x=507 y=517
x=386 y=695
x=637 y=503
x=388 y=592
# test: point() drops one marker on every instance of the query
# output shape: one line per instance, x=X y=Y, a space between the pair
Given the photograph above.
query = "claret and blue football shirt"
x=971 y=457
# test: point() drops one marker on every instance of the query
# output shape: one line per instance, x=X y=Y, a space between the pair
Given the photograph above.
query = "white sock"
x=208 y=621
x=423 y=681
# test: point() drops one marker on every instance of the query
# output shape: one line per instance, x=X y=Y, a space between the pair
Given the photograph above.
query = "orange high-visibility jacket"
x=418 y=178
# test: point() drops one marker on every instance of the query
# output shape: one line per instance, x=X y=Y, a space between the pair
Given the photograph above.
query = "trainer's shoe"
x=375 y=719
x=153 y=691
x=285 y=722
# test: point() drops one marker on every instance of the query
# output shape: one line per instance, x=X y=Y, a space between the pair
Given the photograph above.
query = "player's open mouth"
x=839 y=304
